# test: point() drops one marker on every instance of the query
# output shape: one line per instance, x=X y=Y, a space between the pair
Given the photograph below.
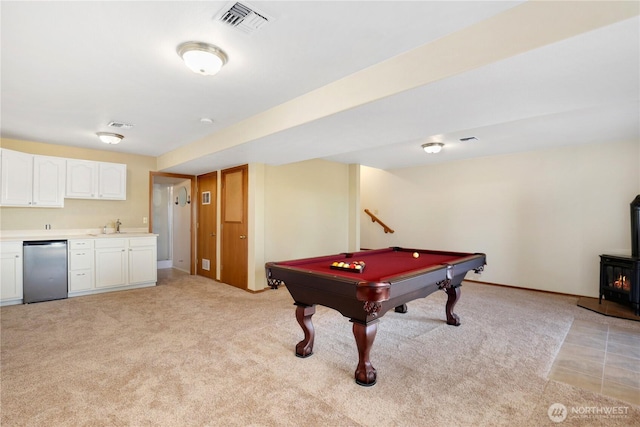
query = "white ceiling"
x=69 y=68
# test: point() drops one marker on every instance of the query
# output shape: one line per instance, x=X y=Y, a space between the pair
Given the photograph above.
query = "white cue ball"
x=416 y=254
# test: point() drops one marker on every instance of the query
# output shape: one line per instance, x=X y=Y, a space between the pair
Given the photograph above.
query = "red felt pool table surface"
x=380 y=264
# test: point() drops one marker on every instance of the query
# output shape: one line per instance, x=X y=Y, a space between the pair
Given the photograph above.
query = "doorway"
x=171 y=216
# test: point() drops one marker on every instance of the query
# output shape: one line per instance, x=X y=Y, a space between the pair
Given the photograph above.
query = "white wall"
x=306 y=210
x=541 y=217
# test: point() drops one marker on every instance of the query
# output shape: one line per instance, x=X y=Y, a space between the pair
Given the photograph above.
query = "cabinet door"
x=111 y=267
x=80 y=280
x=112 y=181
x=11 y=272
x=143 y=266
x=80 y=260
x=48 y=181
x=82 y=179
x=16 y=178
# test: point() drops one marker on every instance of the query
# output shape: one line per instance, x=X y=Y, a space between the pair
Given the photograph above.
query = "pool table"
x=387 y=278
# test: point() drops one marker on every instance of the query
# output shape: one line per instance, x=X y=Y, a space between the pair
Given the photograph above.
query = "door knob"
x=213 y=235
x=242 y=236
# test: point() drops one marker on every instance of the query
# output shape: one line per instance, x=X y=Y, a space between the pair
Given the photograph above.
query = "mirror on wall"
x=182 y=199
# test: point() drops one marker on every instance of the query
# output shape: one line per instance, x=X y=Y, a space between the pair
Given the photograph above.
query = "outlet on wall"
x=144 y=219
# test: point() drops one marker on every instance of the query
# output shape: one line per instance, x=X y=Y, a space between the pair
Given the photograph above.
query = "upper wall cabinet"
x=31 y=180
x=96 y=180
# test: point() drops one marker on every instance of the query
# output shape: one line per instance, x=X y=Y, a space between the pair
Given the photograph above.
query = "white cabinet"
x=10 y=273
x=112 y=181
x=96 y=180
x=82 y=178
x=81 y=271
x=31 y=180
x=111 y=262
x=107 y=264
x=17 y=178
x=143 y=260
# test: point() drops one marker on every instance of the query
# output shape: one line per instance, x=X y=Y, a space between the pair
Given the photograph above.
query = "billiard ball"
x=416 y=254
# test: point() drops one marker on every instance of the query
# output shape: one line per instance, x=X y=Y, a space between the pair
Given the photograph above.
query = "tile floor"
x=601 y=358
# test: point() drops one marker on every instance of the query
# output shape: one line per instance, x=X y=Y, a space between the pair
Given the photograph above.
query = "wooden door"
x=234 y=225
x=207 y=221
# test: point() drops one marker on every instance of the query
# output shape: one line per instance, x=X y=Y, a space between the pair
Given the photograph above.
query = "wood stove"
x=620 y=274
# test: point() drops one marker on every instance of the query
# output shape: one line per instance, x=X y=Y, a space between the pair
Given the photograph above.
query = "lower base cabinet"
x=111 y=262
x=114 y=263
x=143 y=260
x=81 y=271
x=11 y=272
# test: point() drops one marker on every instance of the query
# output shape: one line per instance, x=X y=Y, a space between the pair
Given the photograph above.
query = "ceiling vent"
x=120 y=125
x=243 y=17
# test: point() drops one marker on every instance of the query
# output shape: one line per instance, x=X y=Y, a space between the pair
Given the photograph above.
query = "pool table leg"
x=365 y=334
x=453 y=295
x=303 y=314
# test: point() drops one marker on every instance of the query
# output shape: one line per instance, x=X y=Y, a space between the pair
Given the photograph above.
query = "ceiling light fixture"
x=202 y=58
x=110 y=138
x=432 y=147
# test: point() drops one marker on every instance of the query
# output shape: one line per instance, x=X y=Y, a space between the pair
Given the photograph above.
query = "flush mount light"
x=202 y=58
x=432 y=147
x=110 y=138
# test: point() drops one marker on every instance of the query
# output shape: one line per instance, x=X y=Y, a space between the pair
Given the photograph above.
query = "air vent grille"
x=120 y=125
x=243 y=17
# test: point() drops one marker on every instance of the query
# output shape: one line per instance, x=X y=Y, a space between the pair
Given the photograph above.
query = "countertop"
x=32 y=235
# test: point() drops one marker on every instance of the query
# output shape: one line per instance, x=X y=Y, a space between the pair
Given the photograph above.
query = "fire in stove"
x=622 y=283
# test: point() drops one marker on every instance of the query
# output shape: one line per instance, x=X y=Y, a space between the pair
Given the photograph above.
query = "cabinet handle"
x=242 y=236
x=17 y=256
x=213 y=235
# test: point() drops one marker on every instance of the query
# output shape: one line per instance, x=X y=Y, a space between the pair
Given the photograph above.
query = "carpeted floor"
x=194 y=352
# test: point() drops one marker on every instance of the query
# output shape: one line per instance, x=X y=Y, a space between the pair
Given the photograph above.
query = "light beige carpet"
x=194 y=352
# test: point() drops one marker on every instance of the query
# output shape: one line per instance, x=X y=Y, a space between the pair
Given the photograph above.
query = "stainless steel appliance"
x=44 y=270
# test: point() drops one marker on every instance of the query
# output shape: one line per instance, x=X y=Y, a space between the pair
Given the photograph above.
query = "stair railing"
x=374 y=218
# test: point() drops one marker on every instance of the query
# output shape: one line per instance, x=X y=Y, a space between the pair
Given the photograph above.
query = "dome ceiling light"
x=202 y=58
x=110 y=138
x=432 y=147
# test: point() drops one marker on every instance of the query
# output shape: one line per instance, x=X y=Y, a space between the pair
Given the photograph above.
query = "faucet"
x=118 y=224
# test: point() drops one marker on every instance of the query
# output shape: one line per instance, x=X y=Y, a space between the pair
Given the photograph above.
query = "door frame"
x=192 y=212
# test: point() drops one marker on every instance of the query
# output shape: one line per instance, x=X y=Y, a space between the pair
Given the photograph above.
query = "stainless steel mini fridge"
x=44 y=270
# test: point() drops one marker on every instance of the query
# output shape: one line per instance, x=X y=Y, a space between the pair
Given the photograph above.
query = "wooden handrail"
x=374 y=218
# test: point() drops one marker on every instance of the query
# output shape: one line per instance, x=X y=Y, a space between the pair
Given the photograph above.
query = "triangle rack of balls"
x=353 y=267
